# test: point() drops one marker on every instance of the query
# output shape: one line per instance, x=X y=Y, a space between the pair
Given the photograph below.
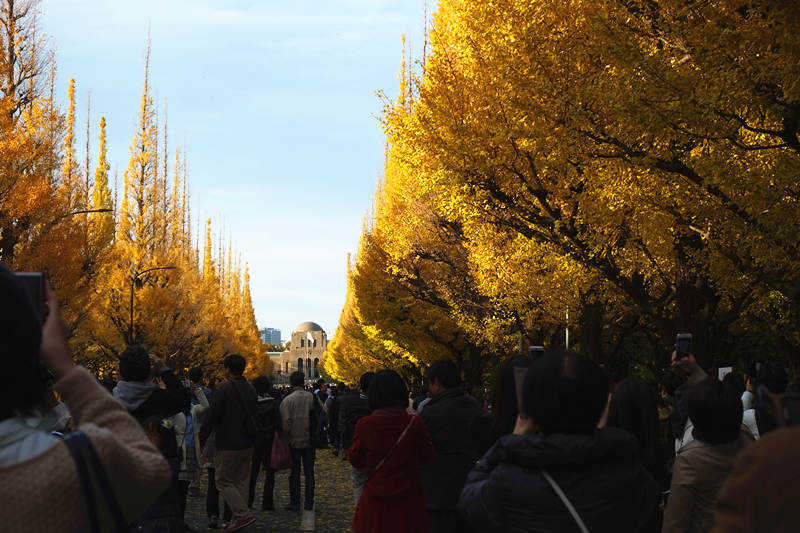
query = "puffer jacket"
x=600 y=473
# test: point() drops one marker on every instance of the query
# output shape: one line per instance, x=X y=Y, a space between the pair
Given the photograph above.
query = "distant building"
x=271 y=335
x=309 y=342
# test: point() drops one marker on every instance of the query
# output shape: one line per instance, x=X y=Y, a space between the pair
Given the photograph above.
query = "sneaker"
x=308 y=521
x=213 y=522
x=241 y=524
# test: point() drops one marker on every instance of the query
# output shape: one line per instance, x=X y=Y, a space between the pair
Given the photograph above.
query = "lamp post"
x=136 y=277
x=79 y=212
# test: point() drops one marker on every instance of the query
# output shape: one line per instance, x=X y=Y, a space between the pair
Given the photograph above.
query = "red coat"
x=393 y=499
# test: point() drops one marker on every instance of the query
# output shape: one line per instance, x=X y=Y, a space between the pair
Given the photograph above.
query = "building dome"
x=308 y=326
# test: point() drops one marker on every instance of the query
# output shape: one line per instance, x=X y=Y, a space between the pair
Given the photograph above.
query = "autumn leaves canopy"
x=633 y=162
x=125 y=265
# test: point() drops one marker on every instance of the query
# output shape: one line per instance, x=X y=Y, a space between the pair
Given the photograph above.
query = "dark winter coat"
x=451 y=420
x=143 y=400
x=269 y=417
x=601 y=474
x=227 y=415
x=353 y=406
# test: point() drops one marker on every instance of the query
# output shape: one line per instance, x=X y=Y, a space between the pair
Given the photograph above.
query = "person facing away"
x=450 y=416
x=556 y=446
x=633 y=407
x=138 y=392
x=701 y=466
x=231 y=404
x=294 y=411
x=269 y=417
x=389 y=445
x=353 y=407
x=39 y=485
x=505 y=406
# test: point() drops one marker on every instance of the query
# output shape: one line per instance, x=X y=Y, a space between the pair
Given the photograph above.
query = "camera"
x=34 y=284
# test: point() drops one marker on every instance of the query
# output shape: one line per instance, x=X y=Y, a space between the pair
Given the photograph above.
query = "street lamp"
x=136 y=277
x=79 y=212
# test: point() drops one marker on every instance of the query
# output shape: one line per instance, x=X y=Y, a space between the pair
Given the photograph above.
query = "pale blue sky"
x=275 y=102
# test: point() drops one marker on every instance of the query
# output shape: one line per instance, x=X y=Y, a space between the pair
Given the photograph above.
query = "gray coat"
x=294 y=417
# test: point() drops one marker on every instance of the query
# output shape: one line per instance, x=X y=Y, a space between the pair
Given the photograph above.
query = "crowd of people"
x=559 y=446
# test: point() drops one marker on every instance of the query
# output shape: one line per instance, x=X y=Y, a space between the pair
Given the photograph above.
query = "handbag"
x=251 y=424
x=565 y=501
x=87 y=463
x=280 y=457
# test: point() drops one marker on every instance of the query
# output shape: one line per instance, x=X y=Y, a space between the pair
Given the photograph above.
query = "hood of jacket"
x=538 y=451
x=132 y=394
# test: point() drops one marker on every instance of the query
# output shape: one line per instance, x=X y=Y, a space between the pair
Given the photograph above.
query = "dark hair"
x=196 y=374
x=387 y=389
x=262 y=385
x=364 y=382
x=505 y=407
x=296 y=379
x=134 y=363
x=565 y=392
x=715 y=410
x=735 y=381
x=23 y=379
x=446 y=372
x=671 y=381
x=773 y=376
x=168 y=446
x=634 y=408
x=236 y=364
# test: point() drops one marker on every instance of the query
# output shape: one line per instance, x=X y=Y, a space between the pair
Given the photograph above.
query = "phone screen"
x=683 y=345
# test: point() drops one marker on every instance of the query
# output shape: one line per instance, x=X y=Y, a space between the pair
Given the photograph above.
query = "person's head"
x=633 y=407
x=671 y=381
x=773 y=376
x=212 y=383
x=564 y=392
x=134 y=364
x=366 y=379
x=296 y=379
x=195 y=374
x=262 y=385
x=505 y=406
x=715 y=410
x=735 y=381
x=235 y=365
x=442 y=375
x=23 y=379
x=387 y=389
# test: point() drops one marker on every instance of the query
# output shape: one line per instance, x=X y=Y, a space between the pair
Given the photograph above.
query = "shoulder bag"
x=251 y=424
x=565 y=501
x=89 y=466
x=394 y=447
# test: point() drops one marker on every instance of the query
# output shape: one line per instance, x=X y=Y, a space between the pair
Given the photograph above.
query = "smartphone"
x=683 y=345
x=34 y=283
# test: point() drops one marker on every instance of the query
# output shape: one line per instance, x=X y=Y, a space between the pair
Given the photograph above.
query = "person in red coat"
x=390 y=444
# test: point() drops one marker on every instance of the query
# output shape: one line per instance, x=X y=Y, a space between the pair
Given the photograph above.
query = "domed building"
x=309 y=342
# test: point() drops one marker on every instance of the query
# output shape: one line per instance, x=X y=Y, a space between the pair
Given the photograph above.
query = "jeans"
x=233 y=472
x=307 y=456
x=261 y=457
x=212 y=498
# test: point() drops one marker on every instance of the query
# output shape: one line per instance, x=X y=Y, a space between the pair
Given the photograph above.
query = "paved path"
x=334 y=501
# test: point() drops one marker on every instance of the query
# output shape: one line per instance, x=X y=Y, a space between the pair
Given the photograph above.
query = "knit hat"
x=21 y=376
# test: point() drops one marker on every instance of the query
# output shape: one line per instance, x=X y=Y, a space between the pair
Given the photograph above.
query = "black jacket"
x=159 y=402
x=229 y=403
x=451 y=418
x=269 y=418
x=352 y=408
x=601 y=474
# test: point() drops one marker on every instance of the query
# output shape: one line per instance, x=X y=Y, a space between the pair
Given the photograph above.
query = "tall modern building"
x=271 y=335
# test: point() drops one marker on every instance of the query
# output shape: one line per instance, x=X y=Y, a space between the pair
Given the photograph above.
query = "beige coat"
x=42 y=494
x=698 y=473
x=294 y=417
